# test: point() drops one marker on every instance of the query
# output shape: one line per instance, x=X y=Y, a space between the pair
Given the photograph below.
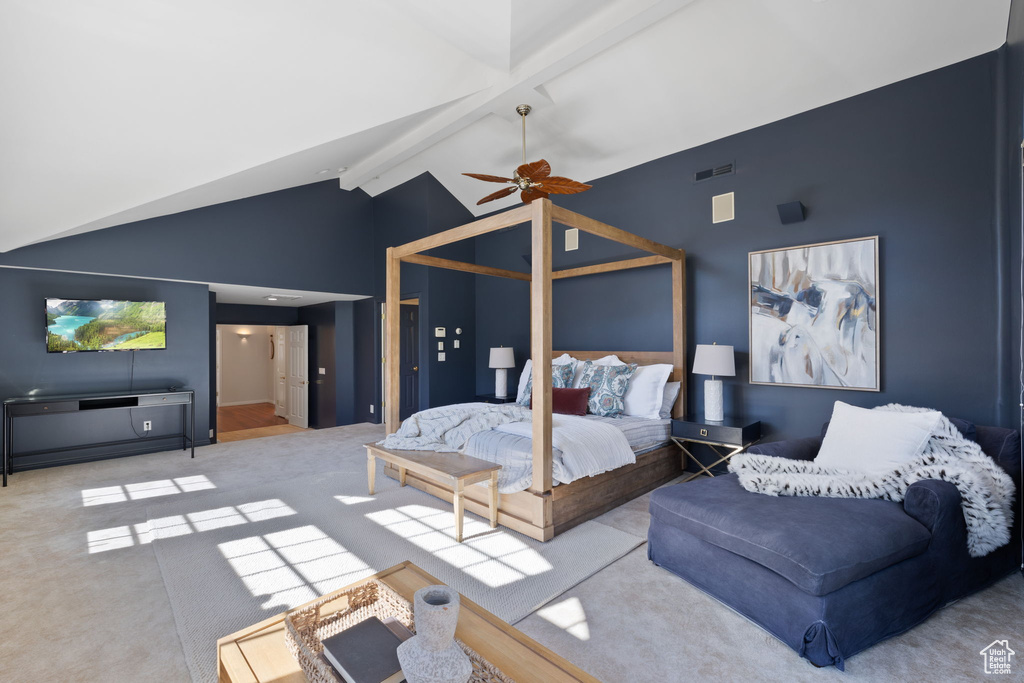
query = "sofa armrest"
x=936 y=504
x=794 y=449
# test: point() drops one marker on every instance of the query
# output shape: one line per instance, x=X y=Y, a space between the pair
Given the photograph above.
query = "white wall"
x=246 y=369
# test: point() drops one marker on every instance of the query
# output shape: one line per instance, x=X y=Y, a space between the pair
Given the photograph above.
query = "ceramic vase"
x=432 y=655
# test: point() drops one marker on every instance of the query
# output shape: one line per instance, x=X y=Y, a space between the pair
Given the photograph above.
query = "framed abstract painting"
x=814 y=315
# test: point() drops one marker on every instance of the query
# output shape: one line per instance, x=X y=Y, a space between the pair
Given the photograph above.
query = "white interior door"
x=281 y=371
x=298 y=375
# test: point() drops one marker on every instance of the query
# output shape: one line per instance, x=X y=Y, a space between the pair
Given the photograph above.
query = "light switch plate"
x=439 y=332
x=440 y=346
x=455 y=344
x=440 y=357
x=323 y=371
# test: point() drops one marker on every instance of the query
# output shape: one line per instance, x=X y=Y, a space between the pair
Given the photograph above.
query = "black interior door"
x=410 y=365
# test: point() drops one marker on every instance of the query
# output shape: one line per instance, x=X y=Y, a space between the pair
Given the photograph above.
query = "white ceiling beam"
x=590 y=37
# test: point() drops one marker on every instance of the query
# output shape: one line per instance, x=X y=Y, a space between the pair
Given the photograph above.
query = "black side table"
x=734 y=434
x=491 y=398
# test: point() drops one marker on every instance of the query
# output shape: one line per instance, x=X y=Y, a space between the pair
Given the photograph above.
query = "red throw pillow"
x=568 y=401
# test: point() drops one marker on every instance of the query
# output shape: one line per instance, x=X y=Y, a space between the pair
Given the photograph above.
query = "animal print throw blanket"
x=986 y=490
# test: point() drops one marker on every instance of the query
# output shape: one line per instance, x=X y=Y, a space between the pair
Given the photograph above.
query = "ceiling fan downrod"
x=523 y=110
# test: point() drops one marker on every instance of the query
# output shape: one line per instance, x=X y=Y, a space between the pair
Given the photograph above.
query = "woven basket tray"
x=306 y=628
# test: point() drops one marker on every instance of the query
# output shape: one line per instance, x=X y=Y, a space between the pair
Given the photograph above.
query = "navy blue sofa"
x=830 y=576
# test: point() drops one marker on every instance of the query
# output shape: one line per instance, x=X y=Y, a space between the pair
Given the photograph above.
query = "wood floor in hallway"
x=252 y=416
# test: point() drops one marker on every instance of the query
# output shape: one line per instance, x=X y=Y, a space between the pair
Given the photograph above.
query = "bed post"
x=540 y=345
x=392 y=355
x=679 y=332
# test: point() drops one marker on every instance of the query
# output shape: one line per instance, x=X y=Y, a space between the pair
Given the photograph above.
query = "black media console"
x=41 y=406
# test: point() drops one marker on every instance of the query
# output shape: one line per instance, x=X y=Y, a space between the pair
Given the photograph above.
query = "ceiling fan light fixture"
x=533 y=180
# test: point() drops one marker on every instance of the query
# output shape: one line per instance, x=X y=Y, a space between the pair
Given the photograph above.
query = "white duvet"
x=588 y=447
x=582 y=447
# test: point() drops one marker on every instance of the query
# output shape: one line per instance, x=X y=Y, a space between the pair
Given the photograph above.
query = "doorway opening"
x=410 y=355
x=259 y=391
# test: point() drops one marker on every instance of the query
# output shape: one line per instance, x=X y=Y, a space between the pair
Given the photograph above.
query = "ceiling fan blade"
x=535 y=171
x=503 y=192
x=529 y=195
x=559 y=185
x=489 y=178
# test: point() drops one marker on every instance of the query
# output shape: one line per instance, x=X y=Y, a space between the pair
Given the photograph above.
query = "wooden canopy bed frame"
x=543 y=510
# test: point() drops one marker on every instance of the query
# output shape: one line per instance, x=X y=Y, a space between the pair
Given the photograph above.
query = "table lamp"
x=502 y=358
x=712 y=359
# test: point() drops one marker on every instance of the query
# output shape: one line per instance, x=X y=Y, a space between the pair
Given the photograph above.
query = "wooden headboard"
x=641 y=358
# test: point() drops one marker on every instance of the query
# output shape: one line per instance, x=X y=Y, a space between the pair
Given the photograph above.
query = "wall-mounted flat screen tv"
x=104 y=325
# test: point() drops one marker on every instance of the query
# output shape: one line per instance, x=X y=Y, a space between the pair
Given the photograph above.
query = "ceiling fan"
x=533 y=179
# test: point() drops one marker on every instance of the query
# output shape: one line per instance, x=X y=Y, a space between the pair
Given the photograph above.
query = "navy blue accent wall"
x=315 y=237
x=911 y=162
x=212 y=350
x=417 y=208
x=1012 y=156
x=28 y=369
x=244 y=314
x=366 y=357
x=344 y=355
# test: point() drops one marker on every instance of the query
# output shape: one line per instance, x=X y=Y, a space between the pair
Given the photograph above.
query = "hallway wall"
x=246 y=369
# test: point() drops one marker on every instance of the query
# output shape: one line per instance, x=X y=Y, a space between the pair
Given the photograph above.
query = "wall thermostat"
x=439 y=331
x=458 y=330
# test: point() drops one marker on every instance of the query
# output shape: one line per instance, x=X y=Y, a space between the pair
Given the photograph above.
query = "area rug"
x=235 y=558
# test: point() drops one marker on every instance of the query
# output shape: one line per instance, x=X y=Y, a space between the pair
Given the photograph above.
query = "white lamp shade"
x=714 y=359
x=502 y=357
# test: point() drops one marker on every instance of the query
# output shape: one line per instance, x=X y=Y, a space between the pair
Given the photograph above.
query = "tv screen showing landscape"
x=104 y=325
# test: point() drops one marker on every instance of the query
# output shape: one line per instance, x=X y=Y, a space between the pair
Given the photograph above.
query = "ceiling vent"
x=709 y=173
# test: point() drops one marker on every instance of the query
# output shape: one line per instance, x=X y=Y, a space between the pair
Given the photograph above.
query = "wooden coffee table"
x=454 y=469
x=259 y=654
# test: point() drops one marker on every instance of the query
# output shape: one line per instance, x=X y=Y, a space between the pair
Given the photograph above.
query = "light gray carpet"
x=84 y=599
x=235 y=558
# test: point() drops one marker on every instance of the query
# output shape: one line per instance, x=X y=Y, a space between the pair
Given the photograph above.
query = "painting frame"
x=756 y=364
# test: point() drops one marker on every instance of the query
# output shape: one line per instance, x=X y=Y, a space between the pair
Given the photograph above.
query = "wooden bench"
x=454 y=469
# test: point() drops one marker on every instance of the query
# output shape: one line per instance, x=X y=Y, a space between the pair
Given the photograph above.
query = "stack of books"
x=368 y=651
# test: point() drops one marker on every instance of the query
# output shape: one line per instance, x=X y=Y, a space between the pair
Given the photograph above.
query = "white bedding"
x=587 y=447
x=582 y=446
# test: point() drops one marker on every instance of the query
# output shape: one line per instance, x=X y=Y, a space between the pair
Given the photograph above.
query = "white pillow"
x=646 y=391
x=607 y=360
x=874 y=441
x=524 y=377
x=671 y=394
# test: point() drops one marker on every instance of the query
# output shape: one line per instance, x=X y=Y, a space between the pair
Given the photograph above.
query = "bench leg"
x=401 y=476
x=494 y=500
x=457 y=502
x=371 y=471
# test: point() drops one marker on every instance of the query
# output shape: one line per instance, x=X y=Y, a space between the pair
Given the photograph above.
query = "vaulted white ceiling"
x=121 y=110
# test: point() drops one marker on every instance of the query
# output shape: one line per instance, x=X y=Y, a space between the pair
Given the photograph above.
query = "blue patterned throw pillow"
x=561 y=377
x=608 y=384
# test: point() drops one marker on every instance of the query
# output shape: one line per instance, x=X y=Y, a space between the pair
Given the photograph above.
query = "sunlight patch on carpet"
x=146 y=489
x=569 y=616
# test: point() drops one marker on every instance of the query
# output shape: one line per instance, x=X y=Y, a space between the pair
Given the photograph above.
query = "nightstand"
x=734 y=434
x=491 y=398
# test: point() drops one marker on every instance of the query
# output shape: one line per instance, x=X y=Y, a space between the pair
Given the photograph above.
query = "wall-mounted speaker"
x=791 y=212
